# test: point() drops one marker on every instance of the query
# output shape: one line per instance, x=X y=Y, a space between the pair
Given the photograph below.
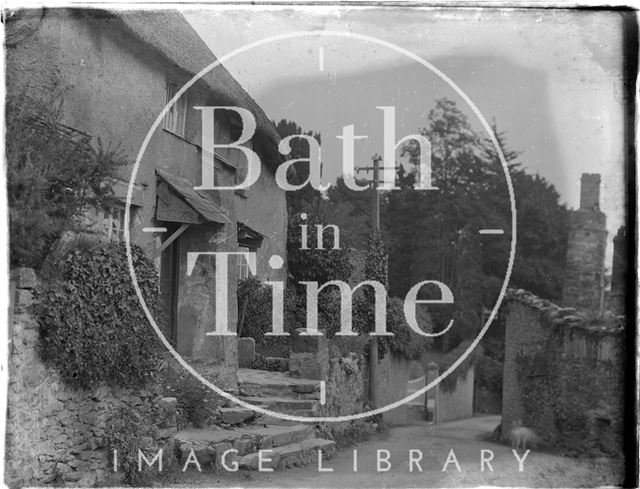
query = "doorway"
x=169 y=276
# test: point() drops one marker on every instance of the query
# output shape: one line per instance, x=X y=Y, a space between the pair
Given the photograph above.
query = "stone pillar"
x=431 y=396
x=309 y=355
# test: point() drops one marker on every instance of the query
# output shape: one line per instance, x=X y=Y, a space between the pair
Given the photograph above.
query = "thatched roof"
x=169 y=34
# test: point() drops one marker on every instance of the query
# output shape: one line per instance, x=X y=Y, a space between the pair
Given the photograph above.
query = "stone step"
x=268 y=419
x=280 y=404
x=209 y=445
x=296 y=454
x=258 y=383
x=236 y=415
x=277 y=363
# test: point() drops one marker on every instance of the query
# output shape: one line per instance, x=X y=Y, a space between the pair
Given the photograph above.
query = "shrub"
x=448 y=384
x=319 y=265
x=127 y=432
x=197 y=403
x=92 y=326
x=489 y=374
x=404 y=341
x=257 y=319
x=54 y=174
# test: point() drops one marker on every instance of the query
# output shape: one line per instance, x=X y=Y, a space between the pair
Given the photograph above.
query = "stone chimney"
x=590 y=191
x=584 y=270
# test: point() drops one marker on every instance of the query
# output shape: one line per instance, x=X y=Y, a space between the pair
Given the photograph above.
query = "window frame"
x=112 y=223
x=243 y=264
x=176 y=117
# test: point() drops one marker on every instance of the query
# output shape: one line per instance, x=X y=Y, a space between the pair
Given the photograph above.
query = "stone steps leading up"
x=280 y=404
x=304 y=452
x=264 y=383
x=291 y=445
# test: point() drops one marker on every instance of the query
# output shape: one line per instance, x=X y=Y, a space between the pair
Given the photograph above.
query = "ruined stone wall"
x=59 y=435
x=563 y=375
x=345 y=391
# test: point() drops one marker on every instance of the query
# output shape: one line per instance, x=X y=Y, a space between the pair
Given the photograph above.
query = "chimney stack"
x=590 y=191
x=584 y=268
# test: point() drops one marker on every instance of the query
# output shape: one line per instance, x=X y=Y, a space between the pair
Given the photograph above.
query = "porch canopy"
x=179 y=202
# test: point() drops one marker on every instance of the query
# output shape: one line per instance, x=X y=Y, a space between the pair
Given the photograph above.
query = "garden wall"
x=456 y=403
x=564 y=375
x=59 y=435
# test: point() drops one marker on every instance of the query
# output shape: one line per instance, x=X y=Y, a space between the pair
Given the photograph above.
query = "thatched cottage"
x=115 y=72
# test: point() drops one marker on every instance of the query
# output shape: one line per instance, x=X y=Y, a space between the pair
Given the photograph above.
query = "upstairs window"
x=175 y=118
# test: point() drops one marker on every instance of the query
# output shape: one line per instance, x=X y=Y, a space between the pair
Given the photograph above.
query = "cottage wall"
x=114 y=87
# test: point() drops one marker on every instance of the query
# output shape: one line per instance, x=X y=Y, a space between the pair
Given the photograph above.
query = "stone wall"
x=59 y=435
x=345 y=391
x=563 y=375
x=393 y=373
x=456 y=403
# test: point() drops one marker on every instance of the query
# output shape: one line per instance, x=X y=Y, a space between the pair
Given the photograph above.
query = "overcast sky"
x=551 y=79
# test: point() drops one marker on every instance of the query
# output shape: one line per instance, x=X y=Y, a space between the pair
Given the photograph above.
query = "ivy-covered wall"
x=61 y=435
x=563 y=375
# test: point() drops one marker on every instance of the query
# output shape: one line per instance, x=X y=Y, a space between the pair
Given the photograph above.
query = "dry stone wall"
x=59 y=435
x=564 y=375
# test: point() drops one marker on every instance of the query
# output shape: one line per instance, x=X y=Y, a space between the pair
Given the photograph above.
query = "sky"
x=550 y=79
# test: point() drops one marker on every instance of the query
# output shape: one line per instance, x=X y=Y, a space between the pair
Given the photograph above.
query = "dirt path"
x=435 y=442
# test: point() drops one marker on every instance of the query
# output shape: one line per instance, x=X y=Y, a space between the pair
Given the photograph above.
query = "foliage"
x=196 y=402
x=489 y=374
x=448 y=384
x=376 y=263
x=129 y=432
x=433 y=235
x=314 y=265
x=54 y=175
x=258 y=318
x=307 y=199
x=405 y=341
x=92 y=326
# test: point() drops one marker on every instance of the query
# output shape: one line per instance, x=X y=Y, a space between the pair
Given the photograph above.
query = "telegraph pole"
x=375 y=218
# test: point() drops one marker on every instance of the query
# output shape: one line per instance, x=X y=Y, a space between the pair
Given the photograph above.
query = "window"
x=113 y=223
x=243 y=264
x=175 y=118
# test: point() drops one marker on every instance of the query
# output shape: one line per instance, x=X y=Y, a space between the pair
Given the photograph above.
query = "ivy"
x=128 y=431
x=448 y=384
x=255 y=312
x=404 y=340
x=92 y=327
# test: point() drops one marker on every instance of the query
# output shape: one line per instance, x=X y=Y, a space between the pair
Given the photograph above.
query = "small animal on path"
x=521 y=436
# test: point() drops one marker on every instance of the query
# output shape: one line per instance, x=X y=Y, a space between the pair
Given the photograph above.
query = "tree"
x=311 y=264
x=434 y=234
x=54 y=176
